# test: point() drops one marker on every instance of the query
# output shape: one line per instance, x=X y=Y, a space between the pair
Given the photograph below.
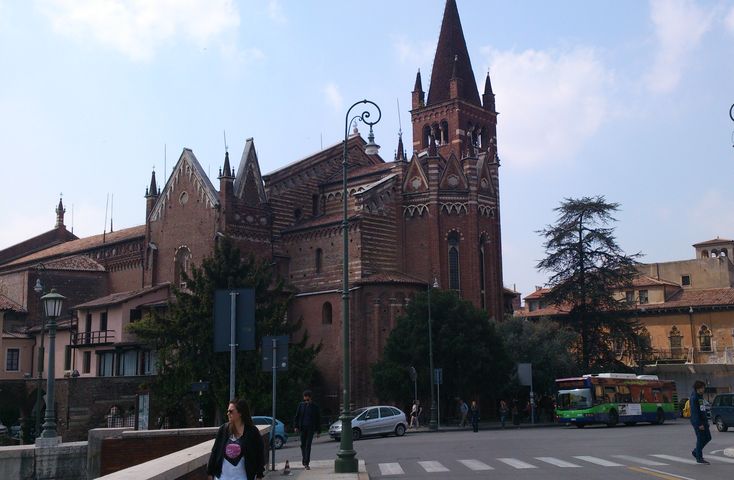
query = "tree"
x=183 y=340
x=465 y=345
x=587 y=266
x=544 y=344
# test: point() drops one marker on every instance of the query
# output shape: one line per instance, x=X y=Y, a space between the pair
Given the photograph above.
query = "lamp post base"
x=47 y=442
x=346 y=462
x=433 y=422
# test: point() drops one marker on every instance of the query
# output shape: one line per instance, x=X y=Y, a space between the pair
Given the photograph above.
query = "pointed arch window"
x=444 y=132
x=315 y=205
x=704 y=339
x=482 y=276
x=326 y=314
x=453 y=241
x=319 y=259
x=182 y=266
x=426 y=136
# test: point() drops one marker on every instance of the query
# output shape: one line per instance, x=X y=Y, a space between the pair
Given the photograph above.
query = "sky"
x=625 y=98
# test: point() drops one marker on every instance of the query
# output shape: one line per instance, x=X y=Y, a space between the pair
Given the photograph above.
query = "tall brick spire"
x=452 y=49
x=60 y=211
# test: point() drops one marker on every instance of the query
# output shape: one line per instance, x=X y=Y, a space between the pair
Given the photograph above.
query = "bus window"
x=599 y=390
x=610 y=393
x=623 y=394
x=656 y=395
x=574 y=399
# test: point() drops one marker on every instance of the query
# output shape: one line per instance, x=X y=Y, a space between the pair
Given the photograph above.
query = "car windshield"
x=574 y=399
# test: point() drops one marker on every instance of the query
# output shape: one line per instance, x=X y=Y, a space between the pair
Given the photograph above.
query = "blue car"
x=722 y=411
x=280 y=436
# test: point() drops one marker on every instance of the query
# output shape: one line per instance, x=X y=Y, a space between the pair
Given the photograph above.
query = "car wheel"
x=613 y=418
x=278 y=442
x=659 y=417
x=400 y=430
x=356 y=434
x=720 y=425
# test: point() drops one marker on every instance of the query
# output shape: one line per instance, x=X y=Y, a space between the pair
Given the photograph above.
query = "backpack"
x=686 y=413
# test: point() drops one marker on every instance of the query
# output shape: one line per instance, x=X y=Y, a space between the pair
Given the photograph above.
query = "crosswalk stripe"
x=638 y=460
x=720 y=459
x=432 y=467
x=674 y=459
x=515 y=463
x=391 y=469
x=557 y=462
x=598 y=461
x=475 y=465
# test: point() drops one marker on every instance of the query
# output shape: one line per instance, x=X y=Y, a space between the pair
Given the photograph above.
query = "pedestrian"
x=464 y=411
x=307 y=422
x=238 y=451
x=699 y=420
x=474 y=416
x=504 y=410
x=415 y=411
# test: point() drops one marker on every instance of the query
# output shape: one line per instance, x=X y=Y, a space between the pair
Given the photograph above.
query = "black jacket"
x=314 y=424
x=254 y=452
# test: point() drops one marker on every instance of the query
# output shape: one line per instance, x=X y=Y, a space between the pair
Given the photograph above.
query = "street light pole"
x=52 y=303
x=433 y=423
x=38 y=288
x=346 y=461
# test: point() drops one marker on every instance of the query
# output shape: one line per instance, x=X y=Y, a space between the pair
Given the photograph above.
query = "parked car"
x=280 y=436
x=382 y=419
x=722 y=411
x=3 y=429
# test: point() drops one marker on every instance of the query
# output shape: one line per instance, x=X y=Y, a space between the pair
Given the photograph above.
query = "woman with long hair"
x=238 y=452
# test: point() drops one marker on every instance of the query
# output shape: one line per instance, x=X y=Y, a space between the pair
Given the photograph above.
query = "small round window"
x=183 y=198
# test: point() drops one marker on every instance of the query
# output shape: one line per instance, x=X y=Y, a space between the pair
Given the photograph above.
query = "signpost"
x=525 y=375
x=234 y=325
x=414 y=376
x=274 y=358
x=438 y=380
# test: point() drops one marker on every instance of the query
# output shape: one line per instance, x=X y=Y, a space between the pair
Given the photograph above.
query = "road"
x=638 y=452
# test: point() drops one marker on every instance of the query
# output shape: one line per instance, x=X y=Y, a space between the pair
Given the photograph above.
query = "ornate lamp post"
x=433 y=422
x=52 y=303
x=38 y=288
x=346 y=461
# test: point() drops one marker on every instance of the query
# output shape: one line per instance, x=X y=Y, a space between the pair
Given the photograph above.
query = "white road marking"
x=666 y=473
x=432 y=467
x=475 y=465
x=642 y=461
x=674 y=458
x=719 y=459
x=391 y=469
x=598 y=461
x=515 y=463
x=557 y=462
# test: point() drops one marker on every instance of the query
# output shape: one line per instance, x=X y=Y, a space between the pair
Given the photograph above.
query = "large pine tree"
x=183 y=340
x=586 y=266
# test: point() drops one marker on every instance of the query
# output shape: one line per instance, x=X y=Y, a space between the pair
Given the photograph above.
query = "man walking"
x=307 y=422
x=463 y=411
x=699 y=420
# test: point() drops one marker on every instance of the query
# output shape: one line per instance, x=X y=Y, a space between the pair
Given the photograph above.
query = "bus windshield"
x=575 y=399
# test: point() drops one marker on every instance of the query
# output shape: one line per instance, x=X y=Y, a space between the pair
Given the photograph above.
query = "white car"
x=382 y=420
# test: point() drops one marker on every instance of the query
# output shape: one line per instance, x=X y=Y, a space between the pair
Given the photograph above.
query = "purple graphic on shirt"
x=233 y=450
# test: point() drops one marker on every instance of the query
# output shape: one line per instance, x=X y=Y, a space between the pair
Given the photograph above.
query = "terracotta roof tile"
x=715 y=241
x=120 y=297
x=9 y=305
x=391 y=277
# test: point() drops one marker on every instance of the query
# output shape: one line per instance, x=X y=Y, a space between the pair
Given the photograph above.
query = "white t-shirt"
x=233 y=452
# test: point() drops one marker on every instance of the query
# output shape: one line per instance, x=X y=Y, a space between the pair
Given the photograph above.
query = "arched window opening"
x=326 y=314
x=315 y=205
x=482 y=280
x=714 y=253
x=723 y=253
x=182 y=266
x=704 y=339
x=319 y=259
x=297 y=214
x=444 y=132
x=426 y=136
x=704 y=254
x=453 y=241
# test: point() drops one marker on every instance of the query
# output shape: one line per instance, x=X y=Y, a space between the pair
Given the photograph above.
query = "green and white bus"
x=610 y=398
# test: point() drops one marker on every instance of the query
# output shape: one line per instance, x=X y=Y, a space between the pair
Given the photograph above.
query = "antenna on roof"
x=400 y=123
x=72 y=218
x=112 y=209
x=104 y=230
x=226 y=148
x=165 y=167
x=321 y=139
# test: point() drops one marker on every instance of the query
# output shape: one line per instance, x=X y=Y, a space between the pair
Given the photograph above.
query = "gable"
x=415 y=178
x=248 y=184
x=486 y=185
x=453 y=177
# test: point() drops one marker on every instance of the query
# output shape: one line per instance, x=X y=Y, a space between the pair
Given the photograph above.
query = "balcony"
x=673 y=355
x=93 y=338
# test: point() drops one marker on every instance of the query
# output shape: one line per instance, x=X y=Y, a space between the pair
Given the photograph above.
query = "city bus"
x=610 y=398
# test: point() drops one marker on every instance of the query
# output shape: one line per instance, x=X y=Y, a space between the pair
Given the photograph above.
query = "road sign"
x=281 y=354
x=244 y=319
x=438 y=376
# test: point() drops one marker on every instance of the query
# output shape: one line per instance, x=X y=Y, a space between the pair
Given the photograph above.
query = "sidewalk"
x=319 y=469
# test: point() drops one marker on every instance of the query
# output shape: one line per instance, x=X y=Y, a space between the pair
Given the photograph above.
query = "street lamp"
x=346 y=461
x=38 y=288
x=52 y=303
x=433 y=422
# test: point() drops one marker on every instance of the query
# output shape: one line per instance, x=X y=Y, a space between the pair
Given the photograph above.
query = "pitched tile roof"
x=715 y=241
x=120 y=297
x=539 y=293
x=9 y=305
x=34 y=244
x=82 y=245
x=390 y=277
x=75 y=262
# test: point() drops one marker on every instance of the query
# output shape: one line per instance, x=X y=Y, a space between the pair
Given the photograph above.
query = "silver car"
x=382 y=420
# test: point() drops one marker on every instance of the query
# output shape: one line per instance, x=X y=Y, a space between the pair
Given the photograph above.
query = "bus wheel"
x=630 y=424
x=613 y=418
x=580 y=425
x=659 y=417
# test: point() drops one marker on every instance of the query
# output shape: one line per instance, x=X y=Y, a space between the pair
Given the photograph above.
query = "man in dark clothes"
x=699 y=420
x=307 y=422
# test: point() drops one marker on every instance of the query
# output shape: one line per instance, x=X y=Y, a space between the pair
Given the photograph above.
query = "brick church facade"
x=431 y=216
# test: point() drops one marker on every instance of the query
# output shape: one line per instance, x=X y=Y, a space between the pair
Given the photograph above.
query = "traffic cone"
x=287 y=468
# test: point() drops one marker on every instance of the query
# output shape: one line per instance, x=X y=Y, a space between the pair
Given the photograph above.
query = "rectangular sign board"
x=244 y=319
x=281 y=353
x=525 y=374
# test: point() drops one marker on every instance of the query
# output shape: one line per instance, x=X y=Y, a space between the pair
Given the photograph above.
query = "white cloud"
x=275 y=11
x=729 y=20
x=679 y=27
x=137 y=28
x=333 y=96
x=551 y=102
x=411 y=54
